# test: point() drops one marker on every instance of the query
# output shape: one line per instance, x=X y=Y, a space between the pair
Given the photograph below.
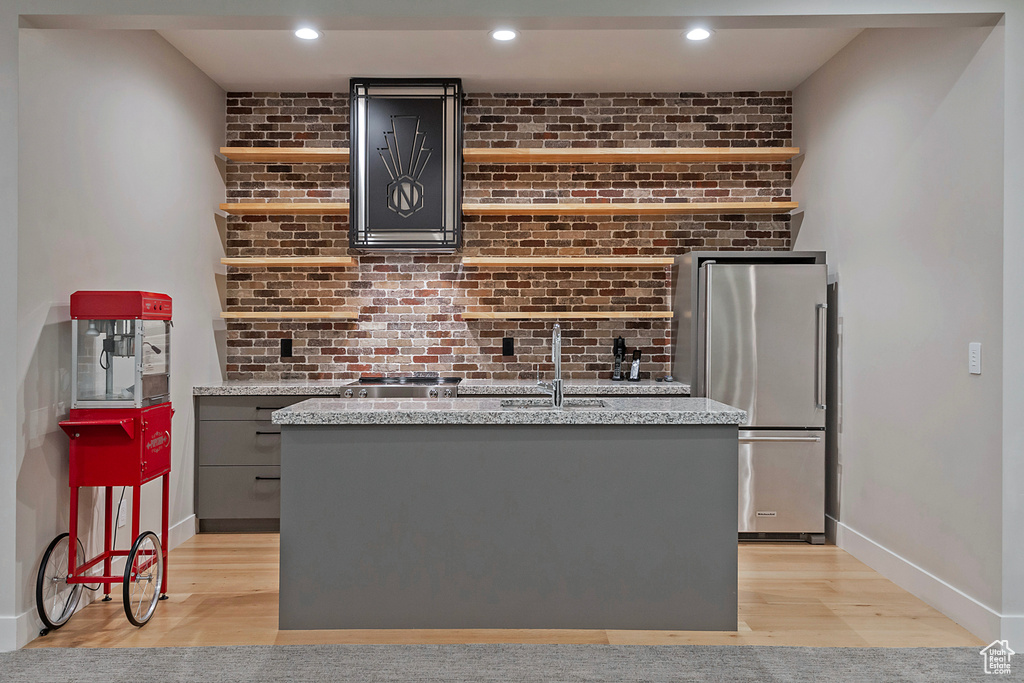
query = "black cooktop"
x=410 y=380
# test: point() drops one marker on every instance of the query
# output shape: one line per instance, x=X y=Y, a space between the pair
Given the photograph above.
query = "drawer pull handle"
x=785 y=439
x=268 y=478
x=264 y=408
x=259 y=433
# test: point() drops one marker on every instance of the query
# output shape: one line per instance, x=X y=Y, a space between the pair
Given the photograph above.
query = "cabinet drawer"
x=239 y=442
x=243 y=407
x=227 y=492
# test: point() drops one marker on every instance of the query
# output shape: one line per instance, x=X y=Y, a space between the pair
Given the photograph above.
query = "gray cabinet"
x=238 y=458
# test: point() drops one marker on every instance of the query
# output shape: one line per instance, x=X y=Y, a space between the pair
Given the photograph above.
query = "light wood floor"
x=223 y=591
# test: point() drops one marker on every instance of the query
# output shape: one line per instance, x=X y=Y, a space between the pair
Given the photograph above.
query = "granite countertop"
x=469 y=387
x=597 y=387
x=611 y=410
x=258 y=387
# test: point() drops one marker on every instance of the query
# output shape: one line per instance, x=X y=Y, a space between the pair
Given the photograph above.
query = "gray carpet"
x=496 y=663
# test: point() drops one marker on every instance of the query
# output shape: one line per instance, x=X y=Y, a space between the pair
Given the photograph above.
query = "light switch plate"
x=974 y=358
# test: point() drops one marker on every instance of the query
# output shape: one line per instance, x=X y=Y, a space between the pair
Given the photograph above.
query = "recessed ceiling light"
x=698 y=34
x=504 y=34
x=307 y=33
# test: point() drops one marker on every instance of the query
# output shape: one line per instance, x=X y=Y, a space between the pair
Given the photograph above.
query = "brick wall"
x=410 y=304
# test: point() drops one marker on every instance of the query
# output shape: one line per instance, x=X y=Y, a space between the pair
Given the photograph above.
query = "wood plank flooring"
x=223 y=591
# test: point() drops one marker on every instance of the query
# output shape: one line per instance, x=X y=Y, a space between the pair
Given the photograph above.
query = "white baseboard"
x=1012 y=629
x=8 y=634
x=16 y=632
x=181 y=532
x=973 y=615
x=831 y=530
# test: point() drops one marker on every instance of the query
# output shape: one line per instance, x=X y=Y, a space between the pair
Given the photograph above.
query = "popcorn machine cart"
x=120 y=429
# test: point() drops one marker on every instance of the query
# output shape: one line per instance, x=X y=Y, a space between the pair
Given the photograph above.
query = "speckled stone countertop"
x=600 y=387
x=257 y=387
x=469 y=387
x=510 y=411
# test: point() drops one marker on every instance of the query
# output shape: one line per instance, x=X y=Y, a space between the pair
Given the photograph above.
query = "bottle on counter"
x=634 y=367
x=619 y=352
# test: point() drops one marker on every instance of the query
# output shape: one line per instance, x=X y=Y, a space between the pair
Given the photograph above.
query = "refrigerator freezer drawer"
x=782 y=481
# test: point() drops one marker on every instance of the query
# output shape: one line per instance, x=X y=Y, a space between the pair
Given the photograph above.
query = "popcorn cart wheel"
x=56 y=599
x=120 y=431
x=143 y=574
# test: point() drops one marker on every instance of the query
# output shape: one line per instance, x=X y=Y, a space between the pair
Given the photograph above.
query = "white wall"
x=902 y=185
x=1013 y=333
x=118 y=188
x=8 y=333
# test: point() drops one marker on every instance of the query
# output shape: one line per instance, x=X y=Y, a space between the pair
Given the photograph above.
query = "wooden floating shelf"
x=555 y=209
x=565 y=315
x=578 y=261
x=298 y=261
x=627 y=155
x=286 y=209
x=626 y=208
x=532 y=155
x=287 y=155
x=291 y=315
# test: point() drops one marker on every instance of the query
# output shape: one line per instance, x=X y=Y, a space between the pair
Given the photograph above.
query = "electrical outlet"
x=122 y=513
x=286 y=348
x=508 y=346
x=974 y=358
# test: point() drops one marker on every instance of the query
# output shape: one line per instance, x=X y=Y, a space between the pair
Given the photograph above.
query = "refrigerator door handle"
x=776 y=439
x=819 y=384
x=707 y=328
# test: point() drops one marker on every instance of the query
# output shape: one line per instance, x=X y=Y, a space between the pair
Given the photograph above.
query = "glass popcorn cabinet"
x=120 y=349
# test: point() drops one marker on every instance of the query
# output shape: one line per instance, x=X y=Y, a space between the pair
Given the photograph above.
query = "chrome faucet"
x=554 y=387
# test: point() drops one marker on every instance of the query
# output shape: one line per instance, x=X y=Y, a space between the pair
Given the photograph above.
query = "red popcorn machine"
x=120 y=430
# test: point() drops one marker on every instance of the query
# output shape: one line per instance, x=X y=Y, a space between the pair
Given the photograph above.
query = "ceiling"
x=554 y=60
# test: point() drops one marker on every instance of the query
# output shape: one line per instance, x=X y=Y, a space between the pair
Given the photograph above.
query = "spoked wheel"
x=56 y=599
x=143 y=575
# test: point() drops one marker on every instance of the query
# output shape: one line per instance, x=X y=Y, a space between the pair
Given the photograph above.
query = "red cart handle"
x=73 y=428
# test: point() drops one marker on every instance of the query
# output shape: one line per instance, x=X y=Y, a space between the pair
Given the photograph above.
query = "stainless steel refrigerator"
x=757 y=342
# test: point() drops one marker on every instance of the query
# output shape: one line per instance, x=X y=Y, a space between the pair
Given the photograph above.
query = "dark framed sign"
x=405 y=164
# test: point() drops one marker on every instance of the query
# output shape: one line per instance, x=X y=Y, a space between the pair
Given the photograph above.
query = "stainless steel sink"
x=542 y=403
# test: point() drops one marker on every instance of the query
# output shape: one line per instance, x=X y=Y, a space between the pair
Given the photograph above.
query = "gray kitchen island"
x=612 y=513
